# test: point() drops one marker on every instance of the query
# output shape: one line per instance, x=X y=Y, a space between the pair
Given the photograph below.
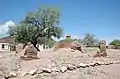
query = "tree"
x=50 y=42
x=115 y=42
x=90 y=40
x=41 y=23
x=11 y=30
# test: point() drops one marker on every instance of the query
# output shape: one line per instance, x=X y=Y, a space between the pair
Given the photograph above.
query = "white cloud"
x=4 y=28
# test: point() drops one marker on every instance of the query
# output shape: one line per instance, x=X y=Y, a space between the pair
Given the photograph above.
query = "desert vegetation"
x=116 y=43
x=42 y=23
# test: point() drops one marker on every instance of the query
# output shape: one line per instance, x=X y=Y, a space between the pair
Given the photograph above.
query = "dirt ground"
x=49 y=58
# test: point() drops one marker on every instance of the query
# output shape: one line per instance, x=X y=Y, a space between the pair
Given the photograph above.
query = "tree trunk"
x=34 y=44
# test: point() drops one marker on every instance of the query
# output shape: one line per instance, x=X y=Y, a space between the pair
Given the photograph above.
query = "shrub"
x=111 y=47
x=67 y=40
x=115 y=42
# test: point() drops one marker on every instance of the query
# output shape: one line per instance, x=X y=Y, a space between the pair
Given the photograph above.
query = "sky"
x=78 y=17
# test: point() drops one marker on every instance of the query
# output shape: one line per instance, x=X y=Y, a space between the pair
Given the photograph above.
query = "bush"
x=115 y=43
x=111 y=47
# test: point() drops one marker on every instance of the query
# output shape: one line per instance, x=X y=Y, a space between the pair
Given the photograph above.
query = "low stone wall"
x=63 y=69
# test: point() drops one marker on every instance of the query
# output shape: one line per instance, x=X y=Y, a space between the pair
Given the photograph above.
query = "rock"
x=30 y=53
x=63 y=69
x=111 y=62
x=24 y=74
x=81 y=65
x=19 y=47
x=96 y=63
x=72 y=50
x=87 y=65
x=102 y=48
x=71 y=67
x=77 y=66
x=32 y=72
x=76 y=46
x=46 y=70
x=103 y=63
x=107 y=63
x=35 y=76
x=55 y=70
x=116 y=62
x=92 y=64
x=12 y=74
x=5 y=77
x=40 y=71
x=99 y=63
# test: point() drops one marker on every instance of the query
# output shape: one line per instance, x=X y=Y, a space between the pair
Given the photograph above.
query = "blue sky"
x=100 y=17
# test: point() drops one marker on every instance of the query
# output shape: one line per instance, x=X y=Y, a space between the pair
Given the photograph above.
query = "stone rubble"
x=12 y=74
x=87 y=65
x=24 y=74
x=71 y=67
x=32 y=72
x=40 y=71
x=46 y=70
x=81 y=65
x=116 y=62
x=55 y=70
x=62 y=69
x=107 y=63
x=99 y=63
x=92 y=64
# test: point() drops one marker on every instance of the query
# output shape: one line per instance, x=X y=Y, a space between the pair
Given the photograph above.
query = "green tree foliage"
x=90 y=40
x=38 y=24
x=51 y=43
x=12 y=30
x=115 y=42
x=45 y=41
